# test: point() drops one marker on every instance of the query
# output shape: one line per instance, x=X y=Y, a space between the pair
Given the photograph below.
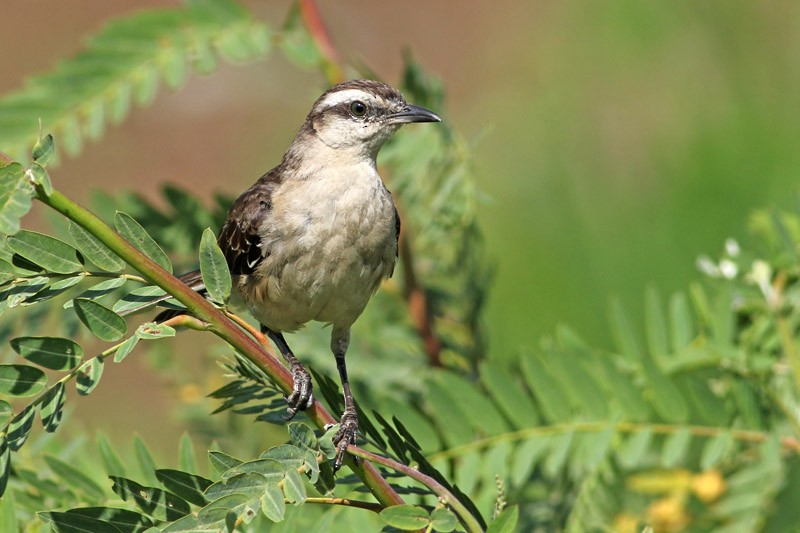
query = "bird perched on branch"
x=314 y=237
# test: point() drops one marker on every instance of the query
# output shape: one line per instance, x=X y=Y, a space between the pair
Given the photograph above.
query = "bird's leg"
x=300 y=399
x=348 y=427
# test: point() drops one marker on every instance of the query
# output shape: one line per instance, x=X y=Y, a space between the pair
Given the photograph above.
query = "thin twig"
x=466 y=518
x=369 y=506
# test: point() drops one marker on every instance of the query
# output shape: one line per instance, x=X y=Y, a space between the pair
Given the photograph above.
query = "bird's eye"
x=358 y=108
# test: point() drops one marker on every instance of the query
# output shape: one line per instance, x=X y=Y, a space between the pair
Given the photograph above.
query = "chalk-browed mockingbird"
x=314 y=237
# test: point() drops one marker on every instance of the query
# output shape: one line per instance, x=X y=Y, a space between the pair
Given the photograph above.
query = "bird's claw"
x=301 y=398
x=345 y=436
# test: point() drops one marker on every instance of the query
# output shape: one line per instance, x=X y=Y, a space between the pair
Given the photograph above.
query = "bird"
x=313 y=238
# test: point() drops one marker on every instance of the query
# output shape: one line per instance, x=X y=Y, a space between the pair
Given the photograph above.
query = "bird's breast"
x=329 y=244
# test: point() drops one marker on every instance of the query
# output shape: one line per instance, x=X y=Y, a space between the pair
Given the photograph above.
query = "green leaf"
x=94 y=250
x=188 y=486
x=443 y=520
x=526 y=457
x=8 y=512
x=271 y=469
x=75 y=523
x=120 y=102
x=147 y=466
x=406 y=517
x=211 y=517
x=715 y=449
x=134 y=233
x=21 y=380
x=249 y=484
x=152 y=330
x=680 y=322
x=102 y=321
x=543 y=386
x=111 y=461
x=675 y=447
x=89 y=375
x=186 y=461
x=302 y=436
x=289 y=456
x=7 y=272
x=515 y=403
x=633 y=451
x=159 y=504
x=137 y=297
x=20 y=427
x=95 y=119
x=5 y=464
x=174 y=68
x=6 y=412
x=560 y=446
x=74 y=478
x=272 y=503
x=214 y=268
x=293 y=487
x=43 y=149
x=15 y=197
x=48 y=252
x=50 y=352
x=39 y=176
x=18 y=293
x=125 y=348
x=98 y=289
x=622 y=330
x=55 y=288
x=506 y=522
x=221 y=462
x=52 y=407
x=123 y=519
x=656 y=323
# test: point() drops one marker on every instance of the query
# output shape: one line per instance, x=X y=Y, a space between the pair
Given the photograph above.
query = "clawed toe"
x=301 y=398
x=345 y=436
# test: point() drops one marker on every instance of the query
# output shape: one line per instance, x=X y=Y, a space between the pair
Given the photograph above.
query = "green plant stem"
x=741 y=435
x=469 y=522
x=789 y=348
x=217 y=322
x=369 y=506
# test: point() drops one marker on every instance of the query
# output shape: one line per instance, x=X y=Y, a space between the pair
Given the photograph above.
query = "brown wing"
x=239 y=238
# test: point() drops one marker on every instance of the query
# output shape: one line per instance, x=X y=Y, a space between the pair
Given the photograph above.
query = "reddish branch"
x=322 y=39
x=417 y=301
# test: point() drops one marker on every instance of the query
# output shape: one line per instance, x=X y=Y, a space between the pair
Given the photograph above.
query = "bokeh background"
x=615 y=140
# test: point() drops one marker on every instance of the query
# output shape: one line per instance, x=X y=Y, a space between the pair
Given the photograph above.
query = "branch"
x=469 y=522
x=215 y=321
x=417 y=301
x=752 y=437
x=322 y=39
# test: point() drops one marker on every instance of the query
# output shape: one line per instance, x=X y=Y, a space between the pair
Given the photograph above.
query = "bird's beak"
x=413 y=113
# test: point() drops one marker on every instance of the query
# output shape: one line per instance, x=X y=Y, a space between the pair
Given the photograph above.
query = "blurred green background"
x=616 y=139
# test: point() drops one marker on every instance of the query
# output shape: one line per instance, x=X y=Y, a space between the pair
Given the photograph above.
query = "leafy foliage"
x=125 y=63
x=687 y=425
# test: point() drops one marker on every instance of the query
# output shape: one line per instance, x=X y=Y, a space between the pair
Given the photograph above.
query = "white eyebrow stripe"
x=345 y=96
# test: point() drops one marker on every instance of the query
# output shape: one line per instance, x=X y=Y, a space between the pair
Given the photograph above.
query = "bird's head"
x=361 y=115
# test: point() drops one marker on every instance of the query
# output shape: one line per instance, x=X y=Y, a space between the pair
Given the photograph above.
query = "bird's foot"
x=301 y=398
x=345 y=436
